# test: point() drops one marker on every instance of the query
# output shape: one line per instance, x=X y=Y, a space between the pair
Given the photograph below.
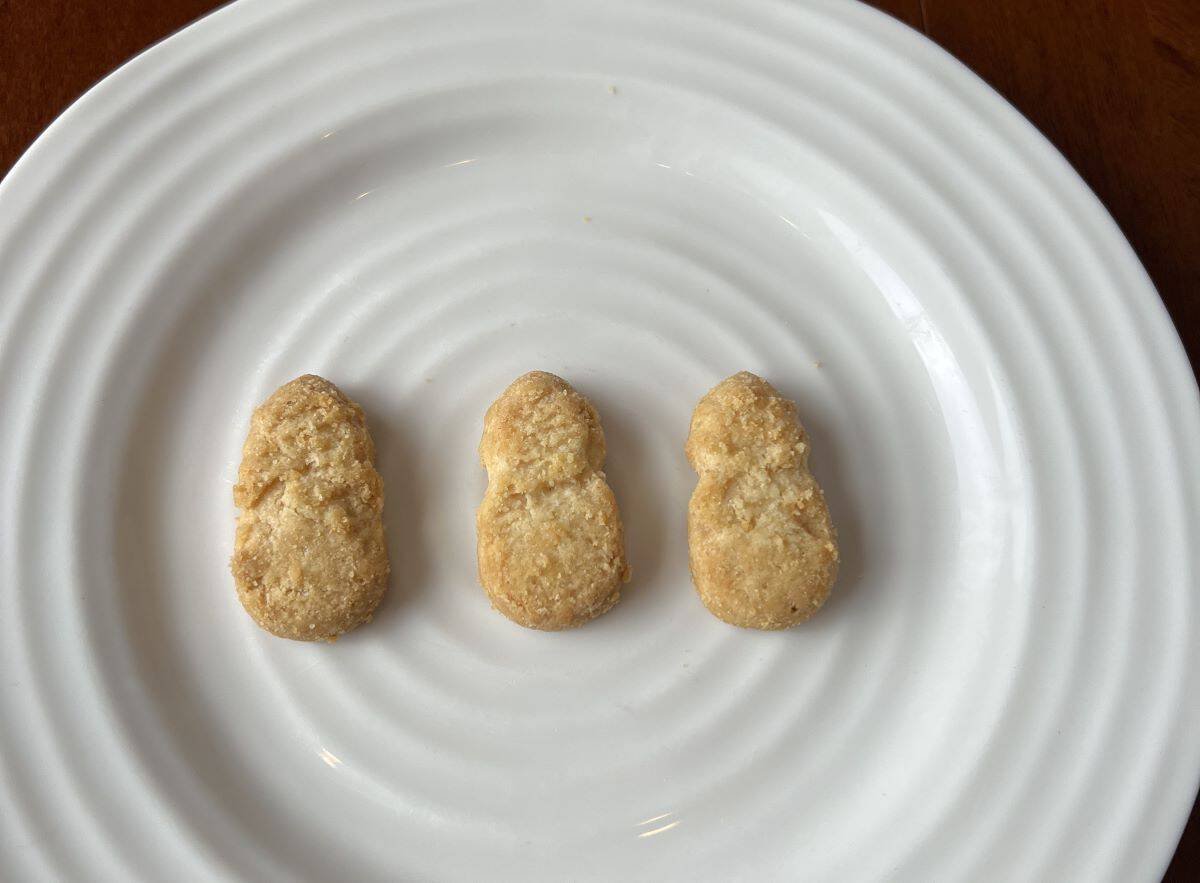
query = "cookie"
x=762 y=549
x=551 y=545
x=309 y=559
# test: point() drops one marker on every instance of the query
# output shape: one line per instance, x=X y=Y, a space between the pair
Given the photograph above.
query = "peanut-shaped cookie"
x=309 y=558
x=551 y=546
x=762 y=549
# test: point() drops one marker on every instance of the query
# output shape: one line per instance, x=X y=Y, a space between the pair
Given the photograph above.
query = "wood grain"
x=1114 y=84
x=51 y=51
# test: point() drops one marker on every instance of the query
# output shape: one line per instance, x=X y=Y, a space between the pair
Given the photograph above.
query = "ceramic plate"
x=420 y=201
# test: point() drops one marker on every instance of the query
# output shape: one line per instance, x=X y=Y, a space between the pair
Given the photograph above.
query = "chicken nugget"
x=762 y=549
x=309 y=558
x=551 y=545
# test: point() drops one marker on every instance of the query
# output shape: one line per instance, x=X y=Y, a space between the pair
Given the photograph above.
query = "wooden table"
x=1115 y=84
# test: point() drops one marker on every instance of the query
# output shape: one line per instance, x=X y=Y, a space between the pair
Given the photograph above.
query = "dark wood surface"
x=1114 y=84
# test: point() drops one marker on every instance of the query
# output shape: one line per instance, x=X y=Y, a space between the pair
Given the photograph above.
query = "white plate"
x=421 y=201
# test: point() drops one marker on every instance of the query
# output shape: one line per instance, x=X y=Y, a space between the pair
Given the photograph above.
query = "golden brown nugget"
x=309 y=558
x=763 y=551
x=551 y=545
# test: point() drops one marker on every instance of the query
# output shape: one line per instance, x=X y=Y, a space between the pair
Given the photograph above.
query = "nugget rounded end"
x=762 y=548
x=742 y=423
x=309 y=562
x=541 y=430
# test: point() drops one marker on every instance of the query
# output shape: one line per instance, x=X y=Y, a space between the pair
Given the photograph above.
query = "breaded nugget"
x=762 y=549
x=309 y=559
x=551 y=545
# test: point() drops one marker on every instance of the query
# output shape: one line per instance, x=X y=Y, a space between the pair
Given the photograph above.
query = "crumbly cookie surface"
x=762 y=548
x=309 y=561
x=551 y=545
